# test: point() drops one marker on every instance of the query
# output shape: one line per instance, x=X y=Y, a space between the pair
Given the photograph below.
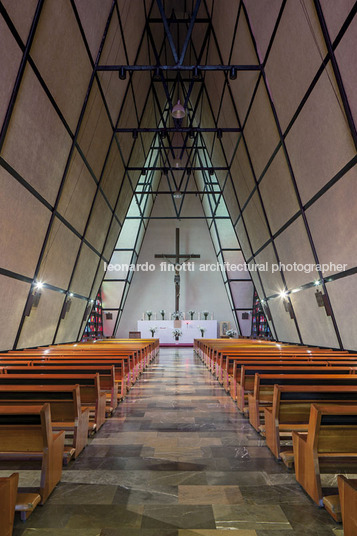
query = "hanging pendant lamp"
x=178 y=111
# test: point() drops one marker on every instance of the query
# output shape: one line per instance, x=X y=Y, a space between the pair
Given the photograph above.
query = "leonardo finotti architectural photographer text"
x=226 y=266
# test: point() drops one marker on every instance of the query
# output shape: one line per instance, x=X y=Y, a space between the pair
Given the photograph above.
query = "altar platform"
x=190 y=330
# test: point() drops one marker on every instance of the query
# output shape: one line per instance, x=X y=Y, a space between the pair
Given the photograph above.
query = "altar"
x=190 y=330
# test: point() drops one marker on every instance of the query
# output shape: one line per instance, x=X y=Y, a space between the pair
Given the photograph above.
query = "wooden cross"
x=177 y=256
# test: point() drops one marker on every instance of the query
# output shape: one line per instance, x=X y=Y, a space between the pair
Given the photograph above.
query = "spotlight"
x=188 y=171
x=233 y=73
x=122 y=73
x=196 y=73
x=191 y=134
x=317 y=282
x=157 y=76
x=163 y=133
x=143 y=172
x=135 y=134
x=219 y=134
x=165 y=171
x=38 y=285
x=211 y=171
x=283 y=294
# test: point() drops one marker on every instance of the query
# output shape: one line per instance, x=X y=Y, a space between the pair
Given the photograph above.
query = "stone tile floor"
x=176 y=459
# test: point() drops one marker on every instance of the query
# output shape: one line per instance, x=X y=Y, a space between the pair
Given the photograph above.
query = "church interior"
x=178 y=265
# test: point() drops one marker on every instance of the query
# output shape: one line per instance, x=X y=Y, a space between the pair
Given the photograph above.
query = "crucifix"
x=178 y=257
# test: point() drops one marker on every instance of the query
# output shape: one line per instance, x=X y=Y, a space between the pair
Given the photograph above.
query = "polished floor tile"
x=176 y=459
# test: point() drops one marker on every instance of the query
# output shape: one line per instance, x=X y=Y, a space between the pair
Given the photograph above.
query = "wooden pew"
x=235 y=379
x=8 y=494
x=66 y=411
x=264 y=386
x=108 y=385
x=331 y=436
x=257 y=384
x=291 y=411
x=225 y=363
x=26 y=434
x=126 y=361
x=11 y=501
x=347 y=489
x=117 y=367
x=89 y=385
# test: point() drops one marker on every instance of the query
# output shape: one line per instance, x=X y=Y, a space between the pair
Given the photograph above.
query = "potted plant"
x=191 y=313
x=202 y=330
x=231 y=333
x=177 y=334
x=153 y=331
x=205 y=314
x=149 y=314
x=162 y=313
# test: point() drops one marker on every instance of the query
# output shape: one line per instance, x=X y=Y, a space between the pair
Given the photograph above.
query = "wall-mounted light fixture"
x=34 y=297
x=66 y=306
x=87 y=310
x=322 y=301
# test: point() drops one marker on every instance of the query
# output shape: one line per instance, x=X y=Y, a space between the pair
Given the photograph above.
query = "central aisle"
x=177 y=459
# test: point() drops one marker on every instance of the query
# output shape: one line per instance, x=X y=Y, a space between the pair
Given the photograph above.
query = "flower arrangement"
x=149 y=314
x=191 y=313
x=176 y=333
x=177 y=315
x=162 y=313
x=202 y=330
x=205 y=314
x=231 y=333
x=153 y=331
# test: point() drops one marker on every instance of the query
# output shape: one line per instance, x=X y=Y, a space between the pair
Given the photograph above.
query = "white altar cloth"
x=190 y=330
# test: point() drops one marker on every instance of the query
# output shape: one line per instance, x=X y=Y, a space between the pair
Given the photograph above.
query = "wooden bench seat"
x=106 y=373
x=257 y=384
x=89 y=385
x=332 y=436
x=235 y=376
x=264 y=384
x=227 y=374
x=26 y=434
x=66 y=411
x=8 y=494
x=291 y=411
x=125 y=363
x=11 y=501
x=119 y=369
x=347 y=490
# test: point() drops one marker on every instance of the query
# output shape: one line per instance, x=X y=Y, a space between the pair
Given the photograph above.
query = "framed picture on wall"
x=223 y=328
